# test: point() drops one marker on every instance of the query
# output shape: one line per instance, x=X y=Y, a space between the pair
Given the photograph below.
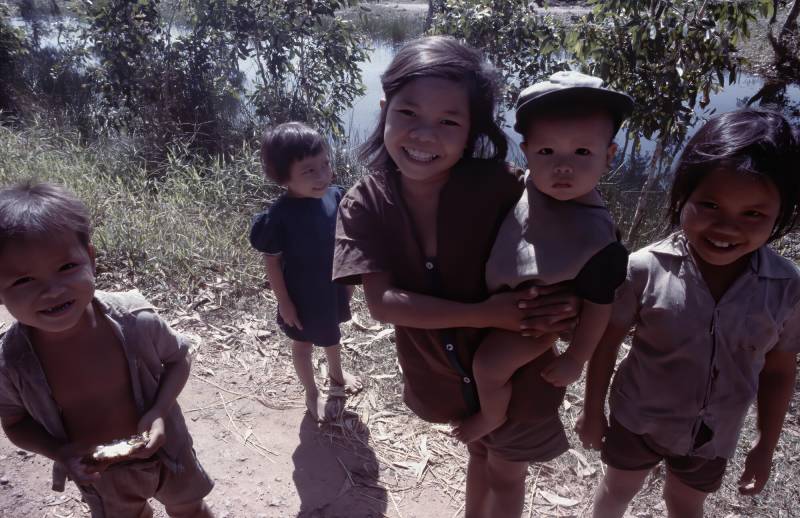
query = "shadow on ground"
x=335 y=471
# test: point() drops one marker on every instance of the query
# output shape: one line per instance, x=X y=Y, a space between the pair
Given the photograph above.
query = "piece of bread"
x=118 y=450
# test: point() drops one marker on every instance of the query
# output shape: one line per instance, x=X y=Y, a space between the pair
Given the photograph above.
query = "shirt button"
x=449 y=347
x=429 y=265
x=467 y=379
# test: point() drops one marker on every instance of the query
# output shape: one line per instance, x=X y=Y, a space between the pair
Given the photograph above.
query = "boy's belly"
x=98 y=416
x=91 y=384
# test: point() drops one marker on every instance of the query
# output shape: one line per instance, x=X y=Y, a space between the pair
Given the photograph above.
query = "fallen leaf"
x=558 y=500
x=383 y=334
x=359 y=324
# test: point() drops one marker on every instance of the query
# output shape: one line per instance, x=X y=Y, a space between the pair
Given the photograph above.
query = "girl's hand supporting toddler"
x=541 y=310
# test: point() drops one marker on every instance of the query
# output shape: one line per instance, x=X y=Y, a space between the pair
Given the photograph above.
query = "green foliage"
x=176 y=234
x=169 y=73
x=522 y=43
x=307 y=58
x=157 y=80
x=12 y=50
x=666 y=54
x=384 y=23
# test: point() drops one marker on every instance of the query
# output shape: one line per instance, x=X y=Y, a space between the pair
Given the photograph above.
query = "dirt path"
x=242 y=405
x=288 y=467
x=299 y=470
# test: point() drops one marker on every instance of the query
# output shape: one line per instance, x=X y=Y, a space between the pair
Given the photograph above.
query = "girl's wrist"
x=480 y=315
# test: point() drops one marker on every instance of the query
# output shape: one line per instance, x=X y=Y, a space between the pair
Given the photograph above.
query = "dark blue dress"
x=302 y=231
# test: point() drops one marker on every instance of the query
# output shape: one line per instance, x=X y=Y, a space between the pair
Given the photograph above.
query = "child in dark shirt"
x=296 y=236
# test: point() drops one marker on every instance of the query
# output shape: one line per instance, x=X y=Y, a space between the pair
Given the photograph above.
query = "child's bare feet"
x=349 y=383
x=315 y=404
x=476 y=426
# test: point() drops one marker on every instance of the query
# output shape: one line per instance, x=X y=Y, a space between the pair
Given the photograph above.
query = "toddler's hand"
x=71 y=457
x=591 y=429
x=153 y=423
x=757 y=466
x=289 y=315
x=562 y=371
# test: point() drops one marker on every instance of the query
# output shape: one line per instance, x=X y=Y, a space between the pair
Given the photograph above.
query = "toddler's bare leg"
x=302 y=353
x=340 y=377
x=498 y=357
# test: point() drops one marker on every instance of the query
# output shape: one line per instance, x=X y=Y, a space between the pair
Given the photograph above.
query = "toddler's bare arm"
x=567 y=368
x=29 y=435
x=591 y=326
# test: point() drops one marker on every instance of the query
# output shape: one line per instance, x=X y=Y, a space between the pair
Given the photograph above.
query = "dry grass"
x=244 y=355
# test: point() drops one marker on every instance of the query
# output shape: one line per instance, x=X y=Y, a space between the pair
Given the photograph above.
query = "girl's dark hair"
x=747 y=141
x=32 y=210
x=286 y=143
x=444 y=58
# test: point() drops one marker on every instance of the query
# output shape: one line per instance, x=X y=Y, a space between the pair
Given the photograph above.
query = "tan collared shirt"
x=549 y=241
x=149 y=344
x=694 y=361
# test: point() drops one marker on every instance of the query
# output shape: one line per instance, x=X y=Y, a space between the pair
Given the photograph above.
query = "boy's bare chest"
x=90 y=382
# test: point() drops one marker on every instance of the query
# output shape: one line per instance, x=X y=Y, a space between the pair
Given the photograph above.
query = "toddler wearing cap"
x=559 y=231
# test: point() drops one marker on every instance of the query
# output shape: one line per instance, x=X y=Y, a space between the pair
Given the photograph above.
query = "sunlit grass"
x=182 y=225
x=387 y=24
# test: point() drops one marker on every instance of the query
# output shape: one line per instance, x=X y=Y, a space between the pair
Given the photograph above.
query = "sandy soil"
x=244 y=410
x=266 y=463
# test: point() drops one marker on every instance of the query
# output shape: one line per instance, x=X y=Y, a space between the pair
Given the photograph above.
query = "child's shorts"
x=625 y=450
x=124 y=488
x=517 y=441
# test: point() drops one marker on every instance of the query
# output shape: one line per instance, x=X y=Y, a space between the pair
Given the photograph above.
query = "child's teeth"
x=56 y=308
x=420 y=155
x=720 y=244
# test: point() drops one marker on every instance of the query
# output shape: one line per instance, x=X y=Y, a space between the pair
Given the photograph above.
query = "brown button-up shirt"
x=375 y=234
x=694 y=361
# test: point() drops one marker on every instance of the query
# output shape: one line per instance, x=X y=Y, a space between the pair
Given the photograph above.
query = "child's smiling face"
x=729 y=215
x=427 y=126
x=47 y=282
x=310 y=177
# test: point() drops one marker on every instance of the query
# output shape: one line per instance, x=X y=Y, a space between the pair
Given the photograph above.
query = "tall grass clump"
x=179 y=227
x=387 y=24
x=181 y=230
